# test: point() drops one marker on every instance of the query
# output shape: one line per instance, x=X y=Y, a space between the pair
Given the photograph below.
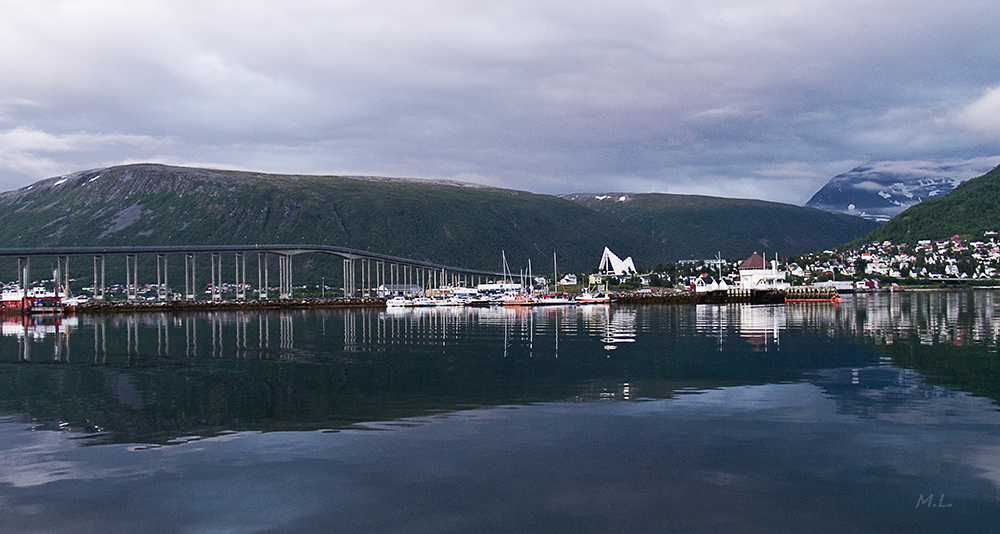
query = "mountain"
x=970 y=210
x=880 y=191
x=698 y=227
x=444 y=222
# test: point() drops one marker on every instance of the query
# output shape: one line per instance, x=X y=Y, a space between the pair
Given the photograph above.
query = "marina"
x=369 y=280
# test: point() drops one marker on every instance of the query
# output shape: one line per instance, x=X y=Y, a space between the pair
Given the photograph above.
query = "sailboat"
x=554 y=298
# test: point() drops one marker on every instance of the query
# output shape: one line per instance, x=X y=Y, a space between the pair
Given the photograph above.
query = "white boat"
x=397 y=302
x=12 y=299
x=592 y=298
x=554 y=299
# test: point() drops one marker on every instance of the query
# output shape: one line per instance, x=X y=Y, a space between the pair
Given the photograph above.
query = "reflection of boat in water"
x=36 y=327
x=835 y=299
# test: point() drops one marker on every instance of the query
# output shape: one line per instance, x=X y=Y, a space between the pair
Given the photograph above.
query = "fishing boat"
x=518 y=300
x=588 y=297
x=37 y=300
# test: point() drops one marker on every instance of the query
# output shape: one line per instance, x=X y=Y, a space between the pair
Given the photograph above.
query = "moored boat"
x=37 y=300
x=592 y=298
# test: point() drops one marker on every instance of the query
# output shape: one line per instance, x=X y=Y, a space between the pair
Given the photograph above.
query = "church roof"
x=753 y=262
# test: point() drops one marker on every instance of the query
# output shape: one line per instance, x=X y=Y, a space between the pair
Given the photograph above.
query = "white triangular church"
x=611 y=264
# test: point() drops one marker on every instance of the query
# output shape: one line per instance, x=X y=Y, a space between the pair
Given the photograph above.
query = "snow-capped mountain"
x=881 y=190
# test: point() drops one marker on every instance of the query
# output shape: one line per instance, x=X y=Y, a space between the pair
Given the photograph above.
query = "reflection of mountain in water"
x=152 y=377
x=876 y=391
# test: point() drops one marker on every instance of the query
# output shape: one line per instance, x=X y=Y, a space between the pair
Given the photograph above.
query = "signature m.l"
x=929 y=501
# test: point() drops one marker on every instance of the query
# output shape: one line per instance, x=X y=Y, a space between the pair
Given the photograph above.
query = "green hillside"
x=968 y=210
x=444 y=222
x=692 y=226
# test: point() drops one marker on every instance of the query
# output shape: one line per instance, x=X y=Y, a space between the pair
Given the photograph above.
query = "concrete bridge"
x=364 y=271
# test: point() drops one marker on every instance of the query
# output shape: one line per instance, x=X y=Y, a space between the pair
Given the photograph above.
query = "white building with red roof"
x=756 y=274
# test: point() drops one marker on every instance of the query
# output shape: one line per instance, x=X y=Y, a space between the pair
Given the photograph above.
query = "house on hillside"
x=568 y=280
x=756 y=274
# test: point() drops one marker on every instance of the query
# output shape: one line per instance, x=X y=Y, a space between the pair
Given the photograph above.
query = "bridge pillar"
x=348 y=277
x=131 y=277
x=241 y=276
x=214 y=286
x=62 y=267
x=285 y=276
x=23 y=266
x=161 y=277
x=99 y=282
x=261 y=285
x=189 y=281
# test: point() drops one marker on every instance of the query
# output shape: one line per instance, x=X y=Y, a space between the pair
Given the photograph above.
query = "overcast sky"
x=738 y=98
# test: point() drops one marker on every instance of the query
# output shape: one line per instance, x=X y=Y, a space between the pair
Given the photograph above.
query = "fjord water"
x=877 y=415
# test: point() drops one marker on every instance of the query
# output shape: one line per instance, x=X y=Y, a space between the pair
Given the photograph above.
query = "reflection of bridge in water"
x=271 y=334
x=928 y=318
x=363 y=271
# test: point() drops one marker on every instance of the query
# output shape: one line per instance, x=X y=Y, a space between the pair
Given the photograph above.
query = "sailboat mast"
x=555 y=272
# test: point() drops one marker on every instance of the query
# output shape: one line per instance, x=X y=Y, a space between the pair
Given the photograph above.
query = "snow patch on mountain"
x=881 y=190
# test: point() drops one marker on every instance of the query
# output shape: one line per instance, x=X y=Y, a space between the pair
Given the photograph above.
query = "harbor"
x=370 y=281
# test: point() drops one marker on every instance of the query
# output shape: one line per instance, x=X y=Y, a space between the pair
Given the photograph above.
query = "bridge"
x=363 y=270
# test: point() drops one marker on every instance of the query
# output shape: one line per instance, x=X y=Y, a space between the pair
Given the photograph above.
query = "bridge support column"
x=216 y=259
x=241 y=276
x=99 y=282
x=161 y=277
x=23 y=266
x=60 y=278
x=261 y=284
x=348 y=277
x=189 y=281
x=285 y=276
x=131 y=276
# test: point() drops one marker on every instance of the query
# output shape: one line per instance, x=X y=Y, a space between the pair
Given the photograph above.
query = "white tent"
x=611 y=264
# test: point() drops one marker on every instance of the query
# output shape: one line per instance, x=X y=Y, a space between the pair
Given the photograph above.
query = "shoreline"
x=673 y=298
x=226 y=305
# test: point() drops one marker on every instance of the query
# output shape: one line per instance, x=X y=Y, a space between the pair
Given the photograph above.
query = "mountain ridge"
x=445 y=222
x=881 y=190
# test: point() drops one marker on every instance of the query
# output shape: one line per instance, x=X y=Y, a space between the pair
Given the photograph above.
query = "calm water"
x=877 y=415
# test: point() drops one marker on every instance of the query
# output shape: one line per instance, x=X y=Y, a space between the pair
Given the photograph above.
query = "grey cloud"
x=552 y=97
